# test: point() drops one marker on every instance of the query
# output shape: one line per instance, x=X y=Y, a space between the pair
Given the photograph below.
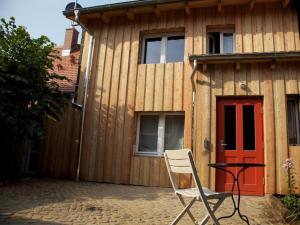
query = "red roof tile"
x=68 y=67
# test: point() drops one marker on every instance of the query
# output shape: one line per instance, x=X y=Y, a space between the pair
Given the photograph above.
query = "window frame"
x=160 y=132
x=163 y=47
x=221 y=41
x=296 y=100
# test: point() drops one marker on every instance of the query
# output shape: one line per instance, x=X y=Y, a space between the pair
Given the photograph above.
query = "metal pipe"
x=193 y=101
x=85 y=86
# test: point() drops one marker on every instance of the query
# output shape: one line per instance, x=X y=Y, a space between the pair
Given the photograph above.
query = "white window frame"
x=221 y=41
x=295 y=99
x=161 y=133
x=163 y=47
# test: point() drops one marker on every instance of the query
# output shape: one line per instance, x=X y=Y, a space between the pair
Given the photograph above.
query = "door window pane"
x=152 y=50
x=293 y=121
x=174 y=126
x=248 y=127
x=230 y=127
x=175 y=49
x=148 y=133
x=227 y=43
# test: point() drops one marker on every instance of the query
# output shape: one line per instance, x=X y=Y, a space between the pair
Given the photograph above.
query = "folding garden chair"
x=181 y=162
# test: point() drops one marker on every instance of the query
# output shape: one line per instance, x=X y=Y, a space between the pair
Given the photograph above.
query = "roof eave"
x=245 y=57
x=121 y=5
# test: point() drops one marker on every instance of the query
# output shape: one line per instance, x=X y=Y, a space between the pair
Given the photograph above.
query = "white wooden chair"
x=181 y=162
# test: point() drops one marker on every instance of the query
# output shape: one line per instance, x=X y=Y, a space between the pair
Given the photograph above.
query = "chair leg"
x=216 y=206
x=180 y=215
x=188 y=211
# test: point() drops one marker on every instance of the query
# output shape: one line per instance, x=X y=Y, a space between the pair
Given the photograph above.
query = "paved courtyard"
x=53 y=201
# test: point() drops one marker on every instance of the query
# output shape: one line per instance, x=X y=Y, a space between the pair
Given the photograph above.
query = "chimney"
x=71 y=38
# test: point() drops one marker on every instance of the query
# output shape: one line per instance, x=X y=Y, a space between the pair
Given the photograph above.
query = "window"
x=163 y=49
x=158 y=132
x=293 y=120
x=220 y=42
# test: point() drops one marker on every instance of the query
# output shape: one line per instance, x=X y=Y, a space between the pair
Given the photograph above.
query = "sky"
x=44 y=17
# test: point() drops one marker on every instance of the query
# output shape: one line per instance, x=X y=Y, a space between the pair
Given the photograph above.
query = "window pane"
x=148 y=133
x=174 y=126
x=152 y=50
x=214 y=42
x=248 y=127
x=293 y=121
x=175 y=49
x=230 y=127
x=227 y=43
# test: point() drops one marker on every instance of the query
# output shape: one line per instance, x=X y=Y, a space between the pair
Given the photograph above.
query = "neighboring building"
x=68 y=63
x=140 y=96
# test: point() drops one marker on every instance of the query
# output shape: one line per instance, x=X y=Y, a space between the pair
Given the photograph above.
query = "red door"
x=240 y=140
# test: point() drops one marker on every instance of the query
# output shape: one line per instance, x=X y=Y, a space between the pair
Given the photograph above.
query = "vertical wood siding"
x=121 y=87
x=272 y=85
x=58 y=155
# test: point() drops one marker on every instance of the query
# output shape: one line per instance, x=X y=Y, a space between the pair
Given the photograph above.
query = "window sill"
x=136 y=154
x=162 y=63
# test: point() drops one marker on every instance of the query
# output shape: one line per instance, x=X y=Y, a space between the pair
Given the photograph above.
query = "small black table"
x=242 y=166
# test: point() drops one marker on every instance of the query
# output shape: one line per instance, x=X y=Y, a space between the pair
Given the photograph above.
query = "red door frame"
x=251 y=180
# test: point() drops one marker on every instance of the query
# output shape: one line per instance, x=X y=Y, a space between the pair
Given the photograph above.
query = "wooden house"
x=221 y=77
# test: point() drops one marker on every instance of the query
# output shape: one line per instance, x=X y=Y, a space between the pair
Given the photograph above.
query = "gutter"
x=85 y=85
x=121 y=5
x=246 y=57
x=195 y=66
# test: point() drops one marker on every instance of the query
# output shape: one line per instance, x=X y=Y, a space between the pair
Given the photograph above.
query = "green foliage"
x=29 y=93
x=292 y=203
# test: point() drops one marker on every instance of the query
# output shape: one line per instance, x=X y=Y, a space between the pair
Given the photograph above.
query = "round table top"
x=236 y=165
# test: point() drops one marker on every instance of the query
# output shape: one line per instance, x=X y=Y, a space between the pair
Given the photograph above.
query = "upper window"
x=220 y=42
x=158 y=132
x=163 y=49
x=293 y=120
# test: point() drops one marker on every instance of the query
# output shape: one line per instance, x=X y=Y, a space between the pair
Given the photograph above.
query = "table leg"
x=236 y=207
x=234 y=204
x=243 y=217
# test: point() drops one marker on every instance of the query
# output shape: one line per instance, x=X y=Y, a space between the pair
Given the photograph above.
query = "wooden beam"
x=105 y=18
x=251 y=4
x=273 y=65
x=204 y=67
x=187 y=10
x=157 y=12
x=238 y=66
x=130 y=15
x=219 y=6
x=285 y=3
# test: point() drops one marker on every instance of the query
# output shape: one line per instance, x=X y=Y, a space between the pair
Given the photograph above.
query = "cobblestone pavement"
x=52 y=201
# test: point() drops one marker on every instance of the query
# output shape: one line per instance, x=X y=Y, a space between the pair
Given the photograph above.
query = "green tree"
x=29 y=92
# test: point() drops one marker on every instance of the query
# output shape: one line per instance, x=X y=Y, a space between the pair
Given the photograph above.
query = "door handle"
x=222 y=145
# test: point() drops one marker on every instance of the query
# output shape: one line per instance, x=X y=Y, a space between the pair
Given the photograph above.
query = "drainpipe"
x=85 y=85
x=193 y=101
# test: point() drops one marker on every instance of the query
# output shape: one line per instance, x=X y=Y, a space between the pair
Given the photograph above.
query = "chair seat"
x=194 y=192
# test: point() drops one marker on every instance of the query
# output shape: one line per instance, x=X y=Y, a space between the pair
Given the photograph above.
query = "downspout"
x=85 y=85
x=193 y=101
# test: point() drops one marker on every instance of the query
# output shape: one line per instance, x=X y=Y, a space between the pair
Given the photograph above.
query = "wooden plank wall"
x=273 y=86
x=267 y=28
x=120 y=87
x=59 y=149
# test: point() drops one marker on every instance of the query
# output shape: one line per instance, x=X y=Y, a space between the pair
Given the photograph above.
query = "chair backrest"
x=181 y=161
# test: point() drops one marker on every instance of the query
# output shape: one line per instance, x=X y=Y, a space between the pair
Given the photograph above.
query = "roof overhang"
x=131 y=8
x=240 y=58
